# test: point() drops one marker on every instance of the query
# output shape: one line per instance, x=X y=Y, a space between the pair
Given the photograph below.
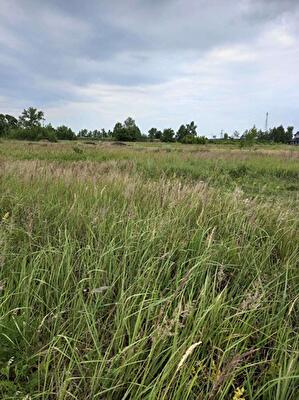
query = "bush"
x=189 y=139
x=34 y=133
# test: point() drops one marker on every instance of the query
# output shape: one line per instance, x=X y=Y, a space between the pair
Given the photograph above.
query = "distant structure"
x=266 y=122
x=295 y=139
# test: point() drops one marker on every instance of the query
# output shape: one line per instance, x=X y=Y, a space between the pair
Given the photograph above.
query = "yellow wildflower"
x=239 y=394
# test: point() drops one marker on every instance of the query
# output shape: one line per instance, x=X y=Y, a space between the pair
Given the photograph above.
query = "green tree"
x=280 y=135
x=263 y=136
x=83 y=133
x=186 y=130
x=3 y=125
x=250 y=135
x=11 y=121
x=7 y=122
x=289 y=134
x=65 y=133
x=167 y=135
x=191 y=129
x=128 y=131
x=117 y=130
x=97 y=134
x=104 y=133
x=181 y=133
x=31 y=117
x=154 y=133
x=34 y=133
x=190 y=139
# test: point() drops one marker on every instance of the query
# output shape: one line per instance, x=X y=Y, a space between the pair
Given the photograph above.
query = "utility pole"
x=266 y=122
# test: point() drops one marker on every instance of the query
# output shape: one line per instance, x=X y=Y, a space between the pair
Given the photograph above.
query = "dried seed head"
x=187 y=354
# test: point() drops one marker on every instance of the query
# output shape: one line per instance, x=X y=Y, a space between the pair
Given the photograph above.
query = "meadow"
x=148 y=271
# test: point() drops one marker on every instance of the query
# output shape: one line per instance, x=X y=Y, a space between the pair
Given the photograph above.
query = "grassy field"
x=148 y=271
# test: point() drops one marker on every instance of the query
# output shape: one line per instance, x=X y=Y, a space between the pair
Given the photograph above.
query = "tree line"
x=30 y=125
x=277 y=135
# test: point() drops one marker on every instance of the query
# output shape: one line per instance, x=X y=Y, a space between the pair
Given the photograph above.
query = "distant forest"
x=30 y=125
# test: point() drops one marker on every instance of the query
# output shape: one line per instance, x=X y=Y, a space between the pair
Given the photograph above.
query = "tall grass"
x=265 y=170
x=115 y=284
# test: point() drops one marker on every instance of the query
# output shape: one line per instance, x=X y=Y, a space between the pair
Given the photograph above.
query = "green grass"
x=148 y=272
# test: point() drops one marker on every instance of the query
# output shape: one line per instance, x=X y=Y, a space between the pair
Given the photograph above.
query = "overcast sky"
x=88 y=64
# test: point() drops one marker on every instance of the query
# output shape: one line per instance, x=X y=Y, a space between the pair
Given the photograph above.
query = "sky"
x=89 y=64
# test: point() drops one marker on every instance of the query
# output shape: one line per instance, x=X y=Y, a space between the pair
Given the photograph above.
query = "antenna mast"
x=266 y=122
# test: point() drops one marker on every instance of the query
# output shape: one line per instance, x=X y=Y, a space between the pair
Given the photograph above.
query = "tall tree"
x=7 y=122
x=65 y=133
x=181 y=133
x=279 y=135
x=289 y=133
x=167 y=135
x=104 y=133
x=31 y=117
x=11 y=121
x=186 y=130
x=152 y=133
x=128 y=131
x=191 y=129
x=250 y=134
x=83 y=133
x=3 y=125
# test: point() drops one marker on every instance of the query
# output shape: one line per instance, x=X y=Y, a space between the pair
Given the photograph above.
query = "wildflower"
x=239 y=394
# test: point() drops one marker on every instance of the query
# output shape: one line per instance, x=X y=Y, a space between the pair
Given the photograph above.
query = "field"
x=148 y=271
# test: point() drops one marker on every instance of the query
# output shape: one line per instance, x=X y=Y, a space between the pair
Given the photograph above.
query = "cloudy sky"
x=88 y=64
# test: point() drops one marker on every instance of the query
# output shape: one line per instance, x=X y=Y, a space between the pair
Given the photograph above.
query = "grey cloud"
x=53 y=52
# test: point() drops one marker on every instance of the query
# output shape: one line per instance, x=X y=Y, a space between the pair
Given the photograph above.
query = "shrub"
x=189 y=139
x=34 y=133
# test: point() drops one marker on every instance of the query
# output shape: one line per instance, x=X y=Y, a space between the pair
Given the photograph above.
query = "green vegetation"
x=148 y=271
x=29 y=126
x=128 y=131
